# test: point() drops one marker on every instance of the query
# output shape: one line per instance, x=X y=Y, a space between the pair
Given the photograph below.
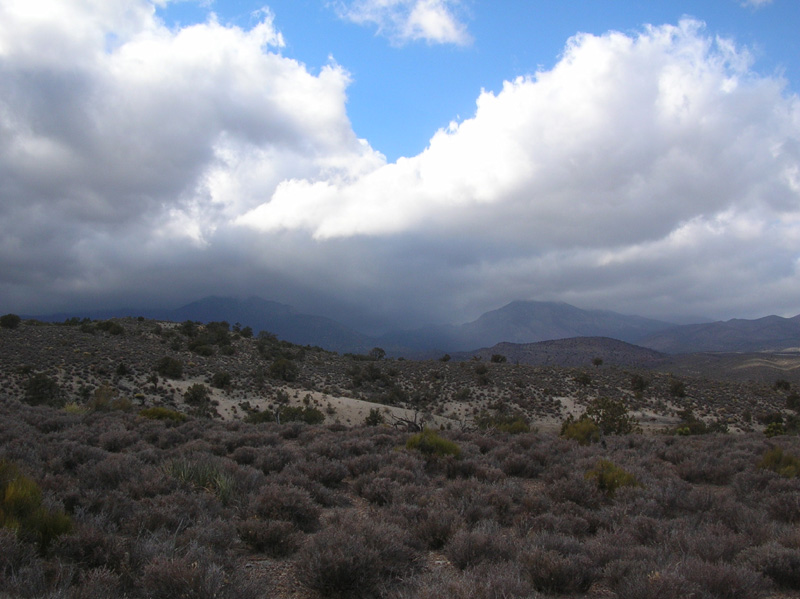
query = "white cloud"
x=402 y=21
x=652 y=173
x=627 y=136
x=661 y=146
x=756 y=3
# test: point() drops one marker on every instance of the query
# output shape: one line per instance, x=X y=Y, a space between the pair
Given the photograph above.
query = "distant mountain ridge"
x=771 y=333
x=528 y=322
x=519 y=322
x=255 y=312
x=576 y=352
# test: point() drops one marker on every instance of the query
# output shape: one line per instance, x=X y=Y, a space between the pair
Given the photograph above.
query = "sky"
x=392 y=163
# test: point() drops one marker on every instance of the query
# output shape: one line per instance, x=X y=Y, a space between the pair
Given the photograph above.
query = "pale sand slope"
x=353 y=412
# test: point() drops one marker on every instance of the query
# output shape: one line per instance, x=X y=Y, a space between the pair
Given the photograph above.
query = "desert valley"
x=151 y=458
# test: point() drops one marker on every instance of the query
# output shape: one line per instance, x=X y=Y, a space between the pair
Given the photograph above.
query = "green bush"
x=692 y=425
x=639 y=384
x=9 y=321
x=781 y=463
x=374 y=418
x=430 y=444
x=506 y=423
x=612 y=417
x=203 y=474
x=21 y=509
x=287 y=414
x=42 y=390
x=111 y=327
x=297 y=414
x=583 y=430
x=284 y=370
x=221 y=380
x=774 y=429
x=159 y=413
x=583 y=378
x=169 y=367
x=677 y=388
x=611 y=477
x=196 y=395
x=257 y=417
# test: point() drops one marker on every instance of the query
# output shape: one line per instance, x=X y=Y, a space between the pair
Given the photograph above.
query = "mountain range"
x=519 y=322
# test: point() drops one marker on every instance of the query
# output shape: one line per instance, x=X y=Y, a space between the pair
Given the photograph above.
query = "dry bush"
x=273 y=538
x=485 y=543
x=288 y=504
x=97 y=583
x=167 y=578
x=780 y=564
x=355 y=558
x=328 y=472
x=485 y=581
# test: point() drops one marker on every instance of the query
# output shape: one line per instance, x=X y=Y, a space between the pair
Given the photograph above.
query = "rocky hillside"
x=125 y=360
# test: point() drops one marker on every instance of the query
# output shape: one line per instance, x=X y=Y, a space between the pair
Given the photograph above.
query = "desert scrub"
x=273 y=537
x=287 y=414
x=504 y=423
x=356 y=558
x=781 y=463
x=42 y=390
x=583 y=430
x=611 y=477
x=430 y=444
x=203 y=473
x=21 y=509
x=159 y=413
x=171 y=368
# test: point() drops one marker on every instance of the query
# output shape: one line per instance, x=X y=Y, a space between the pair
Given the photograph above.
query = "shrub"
x=306 y=414
x=159 y=413
x=374 y=418
x=110 y=326
x=774 y=429
x=274 y=538
x=196 y=395
x=21 y=509
x=639 y=384
x=205 y=474
x=258 y=417
x=355 y=558
x=436 y=528
x=430 y=444
x=498 y=359
x=284 y=370
x=486 y=543
x=42 y=390
x=677 y=388
x=781 y=564
x=612 y=417
x=782 y=385
x=551 y=572
x=221 y=380
x=692 y=425
x=506 y=423
x=288 y=504
x=167 y=578
x=611 y=477
x=583 y=379
x=9 y=321
x=169 y=367
x=781 y=463
x=583 y=430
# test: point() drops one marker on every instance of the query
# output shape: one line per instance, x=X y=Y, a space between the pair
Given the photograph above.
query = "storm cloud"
x=651 y=172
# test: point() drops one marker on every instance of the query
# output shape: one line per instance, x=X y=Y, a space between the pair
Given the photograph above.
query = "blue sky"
x=403 y=91
x=391 y=163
